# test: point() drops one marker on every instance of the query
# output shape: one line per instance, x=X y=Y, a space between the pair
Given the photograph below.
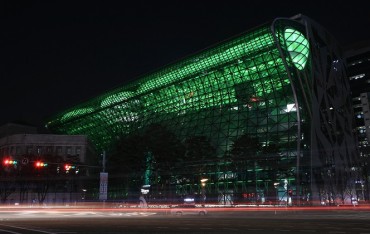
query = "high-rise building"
x=274 y=104
x=358 y=65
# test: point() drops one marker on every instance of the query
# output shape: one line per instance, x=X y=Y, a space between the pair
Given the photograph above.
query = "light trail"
x=167 y=208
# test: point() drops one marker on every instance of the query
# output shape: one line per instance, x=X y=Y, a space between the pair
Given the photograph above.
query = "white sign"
x=103 y=191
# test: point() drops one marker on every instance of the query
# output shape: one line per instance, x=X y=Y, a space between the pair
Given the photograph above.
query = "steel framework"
x=282 y=83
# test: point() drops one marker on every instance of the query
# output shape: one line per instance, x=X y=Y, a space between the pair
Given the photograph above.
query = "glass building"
x=274 y=103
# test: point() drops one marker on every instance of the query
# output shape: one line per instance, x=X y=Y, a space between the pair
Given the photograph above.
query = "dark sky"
x=55 y=54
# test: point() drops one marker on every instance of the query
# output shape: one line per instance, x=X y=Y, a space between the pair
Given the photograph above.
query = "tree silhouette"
x=198 y=148
x=28 y=177
x=126 y=164
x=165 y=147
x=128 y=157
x=269 y=157
x=155 y=150
x=245 y=147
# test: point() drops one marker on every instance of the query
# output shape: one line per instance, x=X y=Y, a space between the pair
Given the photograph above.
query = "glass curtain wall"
x=248 y=96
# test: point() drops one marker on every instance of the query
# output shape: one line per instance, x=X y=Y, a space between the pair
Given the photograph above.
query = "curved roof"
x=213 y=78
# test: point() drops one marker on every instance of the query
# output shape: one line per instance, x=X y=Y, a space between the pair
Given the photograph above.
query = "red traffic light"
x=9 y=162
x=68 y=167
x=40 y=164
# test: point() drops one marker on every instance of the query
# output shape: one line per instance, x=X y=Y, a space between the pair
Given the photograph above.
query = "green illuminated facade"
x=281 y=85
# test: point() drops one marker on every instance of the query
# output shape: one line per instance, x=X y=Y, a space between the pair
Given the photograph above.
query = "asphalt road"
x=153 y=221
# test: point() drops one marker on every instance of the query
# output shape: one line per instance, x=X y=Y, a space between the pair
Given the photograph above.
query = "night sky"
x=56 y=54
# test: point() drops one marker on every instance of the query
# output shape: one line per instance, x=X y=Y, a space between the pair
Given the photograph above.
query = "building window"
x=39 y=150
x=59 y=150
x=356 y=62
x=18 y=150
x=356 y=77
x=69 y=151
x=78 y=151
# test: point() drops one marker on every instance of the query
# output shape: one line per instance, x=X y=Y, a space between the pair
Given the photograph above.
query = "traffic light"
x=39 y=164
x=7 y=162
x=70 y=167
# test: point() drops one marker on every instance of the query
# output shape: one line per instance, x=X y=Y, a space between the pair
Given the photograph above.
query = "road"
x=63 y=221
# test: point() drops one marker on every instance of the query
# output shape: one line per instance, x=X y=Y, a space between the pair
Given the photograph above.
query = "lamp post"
x=83 y=195
x=276 y=185
x=286 y=197
x=203 y=191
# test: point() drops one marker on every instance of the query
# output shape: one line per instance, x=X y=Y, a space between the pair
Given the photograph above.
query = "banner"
x=103 y=191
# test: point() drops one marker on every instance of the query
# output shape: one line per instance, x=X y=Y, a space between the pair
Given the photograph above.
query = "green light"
x=236 y=78
x=40 y=164
x=77 y=112
x=297 y=46
x=116 y=98
x=10 y=162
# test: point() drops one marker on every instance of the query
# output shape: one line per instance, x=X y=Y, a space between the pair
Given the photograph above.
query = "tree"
x=37 y=174
x=7 y=187
x=166 y=148
x=154 y=151
x=128 y=156
x=269 y=160
x=198 y=148
x=269 y=157
x=245 y=147
x=126 y=164
x=7 y=180
x=244 y=155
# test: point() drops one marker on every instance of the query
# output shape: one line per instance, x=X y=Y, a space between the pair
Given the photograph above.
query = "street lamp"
x=276 y=185
x=286 y=197
x=203 y=181
x=203 y=184
x=83 y=194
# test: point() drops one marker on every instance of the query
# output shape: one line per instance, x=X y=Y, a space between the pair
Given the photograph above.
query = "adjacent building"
x=358 y=64
x=43 y=168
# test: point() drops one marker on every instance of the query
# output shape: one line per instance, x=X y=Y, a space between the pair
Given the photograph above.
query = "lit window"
x=297 y=46
x=356 y=77
x=356 y=62
x=290 y=108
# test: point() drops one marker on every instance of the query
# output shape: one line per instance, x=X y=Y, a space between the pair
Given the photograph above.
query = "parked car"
x=188 y=210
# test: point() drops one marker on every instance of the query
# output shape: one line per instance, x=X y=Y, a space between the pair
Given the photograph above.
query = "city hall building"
x=274 y=103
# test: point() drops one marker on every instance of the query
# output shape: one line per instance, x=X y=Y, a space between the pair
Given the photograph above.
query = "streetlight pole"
x=203 y=185
x=276 y=185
